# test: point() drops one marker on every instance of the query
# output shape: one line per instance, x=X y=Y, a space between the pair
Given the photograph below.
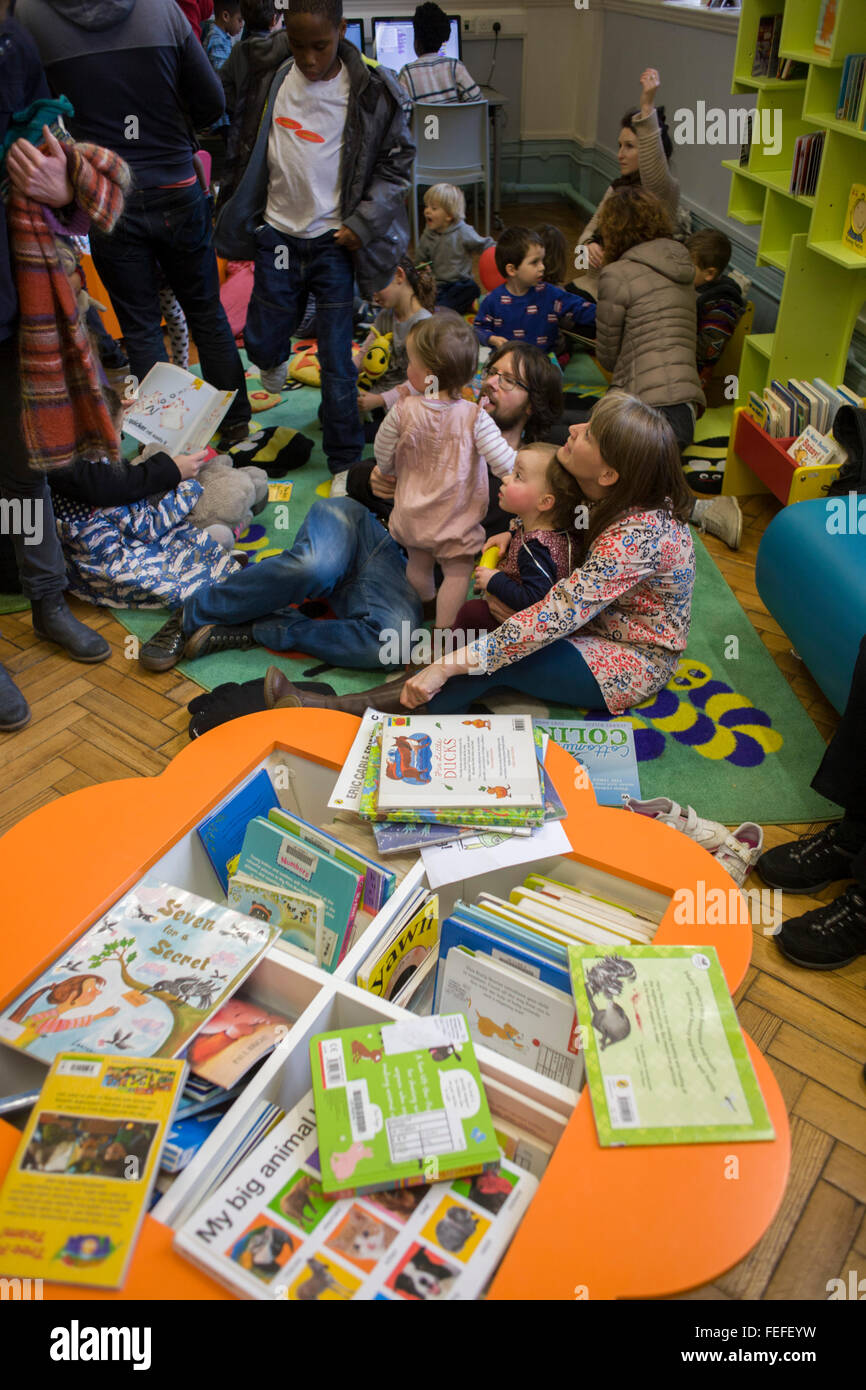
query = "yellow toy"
x=489 y=558
x=375 y=361
x=304 y=364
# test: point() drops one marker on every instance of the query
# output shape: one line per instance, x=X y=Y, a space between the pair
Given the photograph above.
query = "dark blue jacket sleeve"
x=115 y=484
x=576 y=308
x=537 y=577
x=484 y=324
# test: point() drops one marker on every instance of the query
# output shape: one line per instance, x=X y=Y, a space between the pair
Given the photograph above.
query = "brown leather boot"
x=280 y=693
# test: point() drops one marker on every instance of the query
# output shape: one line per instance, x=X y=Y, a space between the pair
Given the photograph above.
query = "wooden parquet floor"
x=97 y=723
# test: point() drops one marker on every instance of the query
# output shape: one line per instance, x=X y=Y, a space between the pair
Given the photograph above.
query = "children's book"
x=142 y=980
x=397 y=837
x=811 y=447
x=275 y=856
x=72 y=1201
x=763 y=46
x=379 y=882
x=514 y=1014
x=222 y=830
x=346 y=795
x=402 y=950
x=239 y=1035
x=666 y=1062
x=605 y=749
x=855 y=219
x=176 y=410
x=826 y=27
x=522 y=1148
x=451 y=762
x=186 y=1137
x=637 y=926
x=460 y=931
x=300 y=917
x=400 y=1104
x=272 y=1233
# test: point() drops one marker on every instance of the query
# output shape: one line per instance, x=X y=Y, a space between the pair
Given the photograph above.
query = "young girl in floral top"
x=611 y=633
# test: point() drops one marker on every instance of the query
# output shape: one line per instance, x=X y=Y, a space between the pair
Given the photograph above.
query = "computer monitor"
x=355 y=32
x=394 y=38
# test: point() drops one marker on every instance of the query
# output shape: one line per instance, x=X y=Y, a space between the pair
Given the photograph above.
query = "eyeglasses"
x=508 y=383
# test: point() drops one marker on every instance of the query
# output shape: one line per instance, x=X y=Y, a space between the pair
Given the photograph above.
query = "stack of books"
x=784 y=412
x=849 y=106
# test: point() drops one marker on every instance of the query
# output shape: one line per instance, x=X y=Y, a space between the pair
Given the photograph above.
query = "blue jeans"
x=170 y=228
x=288 y=269
x=341 y=553
x=557 y=671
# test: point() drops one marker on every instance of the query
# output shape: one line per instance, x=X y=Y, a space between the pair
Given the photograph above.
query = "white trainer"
x=736 y=850
x=338 y=484
x=273 y=379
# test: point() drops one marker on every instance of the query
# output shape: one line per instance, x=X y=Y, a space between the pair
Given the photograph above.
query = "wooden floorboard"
x=98 y=723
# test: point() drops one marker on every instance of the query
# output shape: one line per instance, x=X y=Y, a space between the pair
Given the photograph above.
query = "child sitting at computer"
x=448 y=243
x=526 y=309
x=435 y=77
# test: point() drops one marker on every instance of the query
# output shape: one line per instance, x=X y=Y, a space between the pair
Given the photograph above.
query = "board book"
x=300 y=917
x=399 y=1104
x=272 y=1233
x=142 y=980
x=222 y=830
x=240 y=1034
x=379 y=882
x=665 y=1058
x=176 y=410
x=606 y=750
x=73 y=1199
x=404 y=948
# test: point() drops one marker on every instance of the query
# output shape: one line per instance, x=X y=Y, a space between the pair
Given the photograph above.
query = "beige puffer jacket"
x=646 y=325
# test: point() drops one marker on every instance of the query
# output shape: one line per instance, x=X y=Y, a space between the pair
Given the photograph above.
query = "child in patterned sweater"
x=526 y=309
x=540 y=547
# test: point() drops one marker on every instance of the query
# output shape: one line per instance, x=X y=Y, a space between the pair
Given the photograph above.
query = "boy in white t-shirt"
x=324 y=190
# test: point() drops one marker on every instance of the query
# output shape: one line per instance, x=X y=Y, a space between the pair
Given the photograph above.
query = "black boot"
x=828 y=937
x=280 y=693
x=807 y=865
x=53 y=621
x=14 y=709
x=213 y=638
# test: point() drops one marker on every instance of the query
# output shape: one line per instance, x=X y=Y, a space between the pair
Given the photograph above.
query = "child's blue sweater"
x=533 y=317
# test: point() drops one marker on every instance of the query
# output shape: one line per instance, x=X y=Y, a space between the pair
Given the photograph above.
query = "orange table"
x=608 y=1223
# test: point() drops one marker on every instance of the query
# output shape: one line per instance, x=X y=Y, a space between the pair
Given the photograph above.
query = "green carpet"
x=13 y=603
x=727 y=735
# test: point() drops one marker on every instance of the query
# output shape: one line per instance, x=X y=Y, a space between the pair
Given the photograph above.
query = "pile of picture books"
x=386 y=1181
x=274 y=867
x=807 y=164
x=850 y=104
x=505 y=963
x=785 y=412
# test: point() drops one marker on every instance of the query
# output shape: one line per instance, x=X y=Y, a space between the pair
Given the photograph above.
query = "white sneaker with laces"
x=338 y=485
x=736 y=850
x=273 y=379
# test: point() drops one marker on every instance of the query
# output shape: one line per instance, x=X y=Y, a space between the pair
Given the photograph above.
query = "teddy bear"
x=229 y=499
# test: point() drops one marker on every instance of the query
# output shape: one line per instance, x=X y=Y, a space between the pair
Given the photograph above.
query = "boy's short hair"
x=233 y=7
x=709 y=249
x=332 y=10
x=431 y=27
x=447 y=197
x=258 y=14
x=448 y=347
x=513 y=247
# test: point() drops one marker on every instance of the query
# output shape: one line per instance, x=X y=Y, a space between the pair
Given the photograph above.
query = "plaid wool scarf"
x=63 y=415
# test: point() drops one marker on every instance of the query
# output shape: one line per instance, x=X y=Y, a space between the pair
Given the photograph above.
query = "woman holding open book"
x=609 y=635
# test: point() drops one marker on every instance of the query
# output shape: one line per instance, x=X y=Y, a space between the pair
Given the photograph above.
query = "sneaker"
x=274 y=378
x=807 y=865
x=212 y=638
x=720 y=516
x=338 y=484
x=828 y=937
x=737 y=850
x=165 y=648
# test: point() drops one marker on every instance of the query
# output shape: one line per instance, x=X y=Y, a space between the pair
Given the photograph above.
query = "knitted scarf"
x=63 y=415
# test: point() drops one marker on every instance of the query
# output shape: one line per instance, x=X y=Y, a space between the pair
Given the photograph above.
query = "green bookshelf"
x=825 y=281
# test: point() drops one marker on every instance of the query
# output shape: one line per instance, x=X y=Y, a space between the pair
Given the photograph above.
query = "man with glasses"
x=342 y=554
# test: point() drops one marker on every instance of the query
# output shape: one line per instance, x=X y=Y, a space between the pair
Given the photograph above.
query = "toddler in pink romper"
x=439 y=446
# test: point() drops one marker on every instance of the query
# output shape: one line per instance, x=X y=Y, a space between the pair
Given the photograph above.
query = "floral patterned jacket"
x=626 y=610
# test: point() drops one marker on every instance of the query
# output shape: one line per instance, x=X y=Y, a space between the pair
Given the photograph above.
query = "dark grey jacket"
x=376 y=169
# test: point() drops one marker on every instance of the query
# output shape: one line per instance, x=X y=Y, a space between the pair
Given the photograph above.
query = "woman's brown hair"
x=639 y=443
x=630 y=216
x=60 y=993
x=448 y=348
x=565 y=489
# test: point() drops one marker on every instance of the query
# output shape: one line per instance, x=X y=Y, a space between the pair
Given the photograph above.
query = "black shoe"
x=165 y=647
x=828 y=937
x=53 y=621
x=213 y=638
x=230 y=435
x=14 y=709
x=804 y=866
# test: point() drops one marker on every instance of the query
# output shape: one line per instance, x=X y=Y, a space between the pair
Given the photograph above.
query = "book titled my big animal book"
x=79 y=1184
x=270 y=1231
x=399 y=1104
x=141 y=981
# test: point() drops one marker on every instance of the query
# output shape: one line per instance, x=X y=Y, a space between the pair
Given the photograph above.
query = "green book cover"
x=400 y=1104
x=666 y=1062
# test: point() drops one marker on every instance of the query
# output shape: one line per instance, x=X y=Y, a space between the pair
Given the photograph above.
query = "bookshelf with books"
x=627 y=858
x=802 y=234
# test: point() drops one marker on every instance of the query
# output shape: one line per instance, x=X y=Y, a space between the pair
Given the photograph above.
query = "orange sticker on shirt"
x=297 y=129
x=310 y=135
x=289 y=124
